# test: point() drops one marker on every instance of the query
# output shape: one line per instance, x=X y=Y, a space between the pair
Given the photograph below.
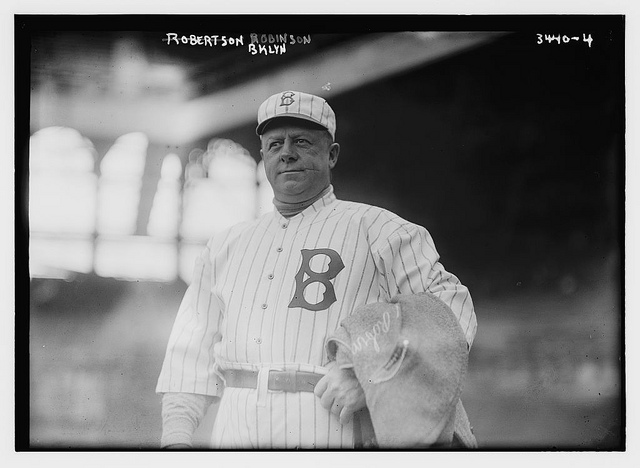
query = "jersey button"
x=259 y=340
x=284 y=225
x=279 y=249
x=264 y=306
x=270 y=276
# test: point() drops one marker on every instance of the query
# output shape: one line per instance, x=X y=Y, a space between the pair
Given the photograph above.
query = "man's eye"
x=274 y=144
x=302 y=141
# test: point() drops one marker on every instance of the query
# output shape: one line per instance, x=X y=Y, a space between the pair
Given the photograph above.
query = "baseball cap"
x=298 y=105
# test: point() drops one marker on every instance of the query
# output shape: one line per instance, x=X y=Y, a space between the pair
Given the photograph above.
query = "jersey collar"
x=326 y=199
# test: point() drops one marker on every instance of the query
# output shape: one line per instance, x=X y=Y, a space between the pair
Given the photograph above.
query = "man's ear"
x=334 y=152
x=261 y=154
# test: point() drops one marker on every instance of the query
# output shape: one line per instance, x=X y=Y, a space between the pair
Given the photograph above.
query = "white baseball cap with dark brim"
x=298 y=105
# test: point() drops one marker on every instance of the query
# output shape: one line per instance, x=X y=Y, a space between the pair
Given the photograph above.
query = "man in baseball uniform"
x=251 y=332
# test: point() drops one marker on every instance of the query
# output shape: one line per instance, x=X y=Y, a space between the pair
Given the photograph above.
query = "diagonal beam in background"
x=171 y=121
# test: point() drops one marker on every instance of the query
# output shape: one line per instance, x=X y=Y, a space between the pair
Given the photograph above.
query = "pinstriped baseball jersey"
x=267 y=294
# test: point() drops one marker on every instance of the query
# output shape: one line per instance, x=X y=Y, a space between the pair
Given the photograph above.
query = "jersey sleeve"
x=189 y=363
x=410 y=265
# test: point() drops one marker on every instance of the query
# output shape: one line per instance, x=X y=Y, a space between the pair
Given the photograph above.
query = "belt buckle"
x=276 y=379
x=289 y=381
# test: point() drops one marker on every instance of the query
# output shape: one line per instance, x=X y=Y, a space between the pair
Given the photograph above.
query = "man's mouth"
x=292 y=171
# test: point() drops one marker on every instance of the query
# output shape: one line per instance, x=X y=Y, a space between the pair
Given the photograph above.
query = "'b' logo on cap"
x=287 y=98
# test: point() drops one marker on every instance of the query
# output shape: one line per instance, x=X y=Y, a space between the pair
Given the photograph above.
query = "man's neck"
x=291 y=209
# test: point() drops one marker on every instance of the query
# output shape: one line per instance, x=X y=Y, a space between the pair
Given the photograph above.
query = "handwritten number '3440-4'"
x=563 y=39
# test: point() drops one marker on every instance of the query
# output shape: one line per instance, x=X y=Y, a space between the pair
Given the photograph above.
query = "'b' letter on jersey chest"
x=335 y=266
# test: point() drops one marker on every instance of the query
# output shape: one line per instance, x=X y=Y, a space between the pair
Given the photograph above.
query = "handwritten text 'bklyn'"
x=257 y=44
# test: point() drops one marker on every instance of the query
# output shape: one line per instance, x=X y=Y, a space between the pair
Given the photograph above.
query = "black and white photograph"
x=320 y=232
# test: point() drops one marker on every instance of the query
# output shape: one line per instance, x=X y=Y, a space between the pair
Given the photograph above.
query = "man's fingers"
x=177 y=446
x=340 y=393
x=321 y=387
x=336 y=408
x=326 y=400
x=345 y=415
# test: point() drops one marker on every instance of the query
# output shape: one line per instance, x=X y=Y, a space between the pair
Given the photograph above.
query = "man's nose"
x=288 y=152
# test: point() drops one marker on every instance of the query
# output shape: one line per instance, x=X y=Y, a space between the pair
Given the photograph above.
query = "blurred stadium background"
x=510 y=152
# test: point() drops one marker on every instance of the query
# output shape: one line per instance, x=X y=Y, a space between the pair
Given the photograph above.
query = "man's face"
x=298 y=159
